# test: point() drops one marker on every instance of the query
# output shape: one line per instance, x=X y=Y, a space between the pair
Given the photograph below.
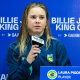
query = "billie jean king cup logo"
x=52 y=74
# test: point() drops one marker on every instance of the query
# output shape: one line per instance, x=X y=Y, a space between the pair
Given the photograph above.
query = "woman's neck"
x=39 y=34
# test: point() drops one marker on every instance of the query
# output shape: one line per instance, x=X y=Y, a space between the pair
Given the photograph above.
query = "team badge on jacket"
x=50 y=57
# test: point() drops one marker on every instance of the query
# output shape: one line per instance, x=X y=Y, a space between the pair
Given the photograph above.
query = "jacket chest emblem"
x=50 y=57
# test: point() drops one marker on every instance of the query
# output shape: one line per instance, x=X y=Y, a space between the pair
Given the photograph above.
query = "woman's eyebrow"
x=35 y=15
x=42 y=15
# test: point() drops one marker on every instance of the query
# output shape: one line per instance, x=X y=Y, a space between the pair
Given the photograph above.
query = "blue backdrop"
x=64 y=25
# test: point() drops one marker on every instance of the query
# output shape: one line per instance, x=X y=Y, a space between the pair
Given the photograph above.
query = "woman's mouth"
x=37 y=27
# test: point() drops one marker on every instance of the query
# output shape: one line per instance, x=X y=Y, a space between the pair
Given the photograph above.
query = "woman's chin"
x=37 y=31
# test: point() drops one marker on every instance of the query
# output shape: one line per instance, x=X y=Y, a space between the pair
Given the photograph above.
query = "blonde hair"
x=23 y=34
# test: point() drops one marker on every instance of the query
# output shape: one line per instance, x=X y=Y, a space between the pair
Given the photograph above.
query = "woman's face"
x=36 y=21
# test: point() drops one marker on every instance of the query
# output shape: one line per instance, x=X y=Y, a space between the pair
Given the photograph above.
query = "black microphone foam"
x=37 y=41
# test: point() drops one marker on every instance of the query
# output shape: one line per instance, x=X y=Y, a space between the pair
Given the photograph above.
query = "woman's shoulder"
x=13 y=51
x=14 y=46
x=58 y=45
x=56 y=42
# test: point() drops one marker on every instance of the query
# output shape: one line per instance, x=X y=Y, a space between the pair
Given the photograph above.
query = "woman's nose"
x=37 y=20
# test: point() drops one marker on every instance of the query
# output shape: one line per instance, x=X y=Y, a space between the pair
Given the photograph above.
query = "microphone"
x=37 y=41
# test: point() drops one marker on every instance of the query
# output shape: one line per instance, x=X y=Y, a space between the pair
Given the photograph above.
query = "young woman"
x=21 y=54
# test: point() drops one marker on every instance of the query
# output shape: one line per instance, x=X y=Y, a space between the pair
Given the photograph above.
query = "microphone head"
x=37 y=41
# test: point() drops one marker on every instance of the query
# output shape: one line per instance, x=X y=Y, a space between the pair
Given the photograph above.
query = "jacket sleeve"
x=17 y=70
x=62 y=55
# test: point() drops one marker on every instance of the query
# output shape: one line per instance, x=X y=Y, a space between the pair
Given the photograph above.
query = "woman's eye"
x=41 y=17
x=33 y=17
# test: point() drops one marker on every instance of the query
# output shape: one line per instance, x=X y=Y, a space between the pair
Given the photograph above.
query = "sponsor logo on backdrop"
x=13 y=34
x=3 y=76
x=71 y=35
x=9 y=24
x=52 y=74
x=68 y=24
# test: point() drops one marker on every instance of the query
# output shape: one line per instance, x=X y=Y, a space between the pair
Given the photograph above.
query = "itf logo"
x=52 y=74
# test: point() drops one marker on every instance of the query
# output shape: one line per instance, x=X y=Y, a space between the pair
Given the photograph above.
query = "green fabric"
x=31 y=70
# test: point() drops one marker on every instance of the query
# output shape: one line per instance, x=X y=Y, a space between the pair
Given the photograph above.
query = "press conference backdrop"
x=64 y=25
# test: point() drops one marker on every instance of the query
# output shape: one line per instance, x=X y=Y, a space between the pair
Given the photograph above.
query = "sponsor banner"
x=67 y=24
x=59 y=73
x=9 y=26
x=3 y=76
